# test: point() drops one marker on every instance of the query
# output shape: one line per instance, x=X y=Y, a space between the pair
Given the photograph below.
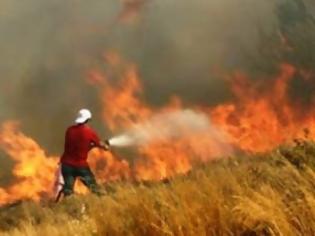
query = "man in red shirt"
x=79 y=140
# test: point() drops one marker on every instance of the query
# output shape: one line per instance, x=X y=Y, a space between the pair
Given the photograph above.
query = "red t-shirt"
x=78 y=144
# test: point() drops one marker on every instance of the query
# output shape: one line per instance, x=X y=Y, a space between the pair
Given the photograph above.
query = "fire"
x=108 y=167
x=258 y=119
x=124 y=107
x=261 y=118
x=34 y=170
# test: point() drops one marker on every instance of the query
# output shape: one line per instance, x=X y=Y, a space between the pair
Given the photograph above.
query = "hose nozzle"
x=106 y=144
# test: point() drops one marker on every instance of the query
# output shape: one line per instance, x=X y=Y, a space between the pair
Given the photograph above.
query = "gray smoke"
x=180 y=46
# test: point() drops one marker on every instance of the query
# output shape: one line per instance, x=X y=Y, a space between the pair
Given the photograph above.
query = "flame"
x=34 y=170
x=263 y=117
x=260 y=117
x=124 y=107
x=108 y=167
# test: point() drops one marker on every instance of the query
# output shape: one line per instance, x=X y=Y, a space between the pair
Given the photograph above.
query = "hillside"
x=262 y=194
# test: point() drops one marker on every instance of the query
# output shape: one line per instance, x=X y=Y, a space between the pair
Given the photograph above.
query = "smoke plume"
x=180 y=47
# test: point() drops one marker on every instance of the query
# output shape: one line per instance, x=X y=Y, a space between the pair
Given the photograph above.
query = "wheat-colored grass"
x=266 y=194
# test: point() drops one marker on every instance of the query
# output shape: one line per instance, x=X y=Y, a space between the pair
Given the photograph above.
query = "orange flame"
x=258 y=119
x=123 y=108
x=34 y=170
x=261 y=118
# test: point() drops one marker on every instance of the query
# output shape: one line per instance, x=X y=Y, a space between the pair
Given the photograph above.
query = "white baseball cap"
x=83 y=116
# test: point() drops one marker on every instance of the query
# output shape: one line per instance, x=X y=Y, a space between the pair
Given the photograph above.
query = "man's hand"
x=102 y=144
x=105 y=145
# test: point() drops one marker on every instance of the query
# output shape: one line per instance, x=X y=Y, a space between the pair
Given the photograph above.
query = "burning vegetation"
x=259 y=119
x=269 y=194
x=177 y=167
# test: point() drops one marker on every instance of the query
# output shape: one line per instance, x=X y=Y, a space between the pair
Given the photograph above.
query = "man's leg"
x=88 y=179
x=69 y=179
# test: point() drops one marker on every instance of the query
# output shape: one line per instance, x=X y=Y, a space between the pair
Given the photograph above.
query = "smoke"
x=167 y=126
x=131 y=10
x=180 y=47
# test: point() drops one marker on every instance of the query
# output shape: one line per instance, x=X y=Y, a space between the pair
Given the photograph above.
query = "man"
x=79 y=140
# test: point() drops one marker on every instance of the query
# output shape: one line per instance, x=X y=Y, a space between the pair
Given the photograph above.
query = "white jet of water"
x=165 y=126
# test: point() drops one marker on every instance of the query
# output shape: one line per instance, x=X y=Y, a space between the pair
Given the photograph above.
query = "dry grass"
x=270 y=194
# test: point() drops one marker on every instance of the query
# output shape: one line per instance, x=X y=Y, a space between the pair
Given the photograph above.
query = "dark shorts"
x=84 y=174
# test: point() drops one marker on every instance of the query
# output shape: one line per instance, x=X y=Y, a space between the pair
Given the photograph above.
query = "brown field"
x=262 y=194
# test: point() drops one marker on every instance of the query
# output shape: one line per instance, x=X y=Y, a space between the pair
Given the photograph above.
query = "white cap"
x=83 y=116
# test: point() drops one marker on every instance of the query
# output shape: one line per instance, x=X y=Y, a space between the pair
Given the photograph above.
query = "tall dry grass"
x=265 y=194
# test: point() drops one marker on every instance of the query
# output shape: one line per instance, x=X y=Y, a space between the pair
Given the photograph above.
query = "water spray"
x=164 y=126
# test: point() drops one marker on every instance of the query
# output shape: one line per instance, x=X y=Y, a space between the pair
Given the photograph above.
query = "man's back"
x=77 y=145
x=79 y=140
